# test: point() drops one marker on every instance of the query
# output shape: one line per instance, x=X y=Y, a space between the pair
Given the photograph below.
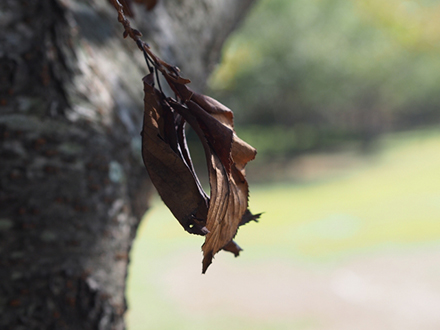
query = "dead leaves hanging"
x=168 y=162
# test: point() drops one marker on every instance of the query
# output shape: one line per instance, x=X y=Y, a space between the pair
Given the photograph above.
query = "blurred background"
x=342 y=101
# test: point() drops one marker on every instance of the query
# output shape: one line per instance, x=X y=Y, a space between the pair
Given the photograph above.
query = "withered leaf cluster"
x=167 y=159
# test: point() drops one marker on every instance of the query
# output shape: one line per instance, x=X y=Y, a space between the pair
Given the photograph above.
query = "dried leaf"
x=227 y=156
x=168 y=168
x=229 y=202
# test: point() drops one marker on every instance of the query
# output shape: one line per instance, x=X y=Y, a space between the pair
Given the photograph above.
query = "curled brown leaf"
x=226 y=156
x=167 y=166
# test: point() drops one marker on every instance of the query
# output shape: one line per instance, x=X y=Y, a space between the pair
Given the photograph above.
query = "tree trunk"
x=73 y=187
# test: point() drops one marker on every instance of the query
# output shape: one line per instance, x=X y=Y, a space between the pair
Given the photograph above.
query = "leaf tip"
x=233 y=247
x=207 y=260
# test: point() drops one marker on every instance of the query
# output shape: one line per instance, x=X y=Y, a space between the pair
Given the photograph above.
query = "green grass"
x=391 y=201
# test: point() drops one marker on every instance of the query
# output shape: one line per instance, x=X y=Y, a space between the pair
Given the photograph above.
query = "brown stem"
x=162 y=66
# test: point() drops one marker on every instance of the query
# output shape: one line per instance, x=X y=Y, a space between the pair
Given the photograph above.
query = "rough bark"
x=72 y=185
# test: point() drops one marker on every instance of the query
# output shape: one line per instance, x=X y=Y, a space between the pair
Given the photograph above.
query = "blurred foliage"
x=332 y=70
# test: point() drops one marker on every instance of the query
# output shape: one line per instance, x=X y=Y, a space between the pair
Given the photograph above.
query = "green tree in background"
x=319 y=72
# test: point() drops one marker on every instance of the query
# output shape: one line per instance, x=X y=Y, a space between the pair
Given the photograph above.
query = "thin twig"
x=167 y=70
x=134 y=34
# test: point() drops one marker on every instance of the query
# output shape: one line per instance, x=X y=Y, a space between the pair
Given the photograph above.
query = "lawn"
x=390 y=201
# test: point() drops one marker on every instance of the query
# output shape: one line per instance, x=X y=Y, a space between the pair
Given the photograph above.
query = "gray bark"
x=72 y=184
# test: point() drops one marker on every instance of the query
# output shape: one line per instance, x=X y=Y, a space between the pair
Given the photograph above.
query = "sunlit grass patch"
x=394 y=199
x=391 y=201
